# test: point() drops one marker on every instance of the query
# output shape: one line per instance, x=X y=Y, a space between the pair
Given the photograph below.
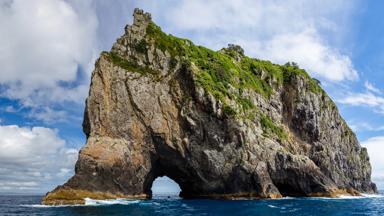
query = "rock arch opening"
x=165 y=187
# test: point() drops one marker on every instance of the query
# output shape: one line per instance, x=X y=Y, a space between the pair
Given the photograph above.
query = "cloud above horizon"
x=45 y=45
x=375 y=146
x=33 y=159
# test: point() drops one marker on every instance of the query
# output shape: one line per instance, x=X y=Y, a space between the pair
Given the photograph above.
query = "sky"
x=48 y=49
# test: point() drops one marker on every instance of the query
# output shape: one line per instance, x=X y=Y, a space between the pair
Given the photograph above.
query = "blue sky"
x=48 y=49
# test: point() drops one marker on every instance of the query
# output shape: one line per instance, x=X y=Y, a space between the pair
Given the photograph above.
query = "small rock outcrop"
x=220 y=124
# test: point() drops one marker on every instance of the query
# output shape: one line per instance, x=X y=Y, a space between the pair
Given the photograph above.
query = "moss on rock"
x=128 y=65
x=271 y=128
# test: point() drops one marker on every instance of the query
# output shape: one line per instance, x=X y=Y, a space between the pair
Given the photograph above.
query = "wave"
x=284 y=198
x=341 y=197
x=48 y=206
x=89 y=202
x=93 y=202
x=373 y=195
x=363 y=196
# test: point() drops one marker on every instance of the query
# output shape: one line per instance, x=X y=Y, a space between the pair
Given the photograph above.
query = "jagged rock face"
x=220 y=124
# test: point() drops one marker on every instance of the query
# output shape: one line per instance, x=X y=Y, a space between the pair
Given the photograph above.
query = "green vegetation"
x=228 y=111
x=129 y=65
x=165 y=42
x=291 y=69
x=141 y=47
x=226 y=74
x=245 y=103
x=218 y=70
x=270 y=127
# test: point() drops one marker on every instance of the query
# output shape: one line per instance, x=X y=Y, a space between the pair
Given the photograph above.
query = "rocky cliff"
x=220 y=124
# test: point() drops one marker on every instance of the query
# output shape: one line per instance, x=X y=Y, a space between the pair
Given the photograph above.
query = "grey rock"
x=142 y=125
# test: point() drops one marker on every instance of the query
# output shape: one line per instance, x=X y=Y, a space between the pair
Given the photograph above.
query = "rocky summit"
x=219 y=123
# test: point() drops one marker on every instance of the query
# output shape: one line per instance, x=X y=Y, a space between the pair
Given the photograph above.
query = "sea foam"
x=93 y=202
x=89 y=202
x=363 y=196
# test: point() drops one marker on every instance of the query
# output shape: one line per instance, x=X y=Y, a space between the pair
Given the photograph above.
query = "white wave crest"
x=93 y=202
x=373 y=195
x=88 y=202
x=363 y=196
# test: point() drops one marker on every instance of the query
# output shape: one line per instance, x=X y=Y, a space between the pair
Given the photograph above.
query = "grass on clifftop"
x=226 y=74
x=219 y=71
x=291 y=69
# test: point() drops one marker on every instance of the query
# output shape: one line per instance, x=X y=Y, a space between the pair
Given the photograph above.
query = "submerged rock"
x=220 y=124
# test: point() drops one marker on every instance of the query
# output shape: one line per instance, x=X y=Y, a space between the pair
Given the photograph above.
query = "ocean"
x=165 y=205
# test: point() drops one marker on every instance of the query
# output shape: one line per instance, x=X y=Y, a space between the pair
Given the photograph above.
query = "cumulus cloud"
x=43 y=45
x=280 y=31
x=375 y=146
x=33 y=159
x=311 y=53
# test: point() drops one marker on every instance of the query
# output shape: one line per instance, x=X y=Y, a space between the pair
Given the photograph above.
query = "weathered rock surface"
x=220 y=124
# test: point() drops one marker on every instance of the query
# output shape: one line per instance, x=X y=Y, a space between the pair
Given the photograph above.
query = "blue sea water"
x=163 y=205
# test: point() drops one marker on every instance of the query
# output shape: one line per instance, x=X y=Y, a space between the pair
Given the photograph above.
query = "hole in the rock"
x=164 y=187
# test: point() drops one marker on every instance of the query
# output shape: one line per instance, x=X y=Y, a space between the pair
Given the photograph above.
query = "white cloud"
x=311 y=53
x=375 y=146
x=42 y=44
x=364 y=126
x=280 y=31
x=49 y=115
x=33 y=159
x=370 y=87
x=367 y=99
